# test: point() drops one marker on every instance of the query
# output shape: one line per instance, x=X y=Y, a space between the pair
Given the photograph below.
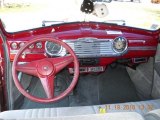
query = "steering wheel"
x=46 y=69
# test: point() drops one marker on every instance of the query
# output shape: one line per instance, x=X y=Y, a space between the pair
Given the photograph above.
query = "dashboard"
x=96 y=44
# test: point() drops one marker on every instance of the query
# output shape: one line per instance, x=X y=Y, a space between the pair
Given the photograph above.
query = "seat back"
x=106 y=116
x=156 y=78
x=153 y=115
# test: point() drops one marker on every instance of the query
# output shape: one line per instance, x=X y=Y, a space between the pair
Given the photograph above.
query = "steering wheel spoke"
x=28 y=68
x=48 y=85
x=61 y=62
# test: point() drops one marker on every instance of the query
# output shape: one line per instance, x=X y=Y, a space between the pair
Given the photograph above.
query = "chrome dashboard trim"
x=137 y=41
x=142 y=48
x=93 y=47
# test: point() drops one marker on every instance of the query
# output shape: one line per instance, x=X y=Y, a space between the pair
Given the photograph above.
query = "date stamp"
x=126 y=107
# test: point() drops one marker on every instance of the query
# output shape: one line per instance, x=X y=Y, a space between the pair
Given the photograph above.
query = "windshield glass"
x=20 y=15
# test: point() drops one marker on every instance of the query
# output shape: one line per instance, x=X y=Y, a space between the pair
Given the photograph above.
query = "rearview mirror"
x=108 y=1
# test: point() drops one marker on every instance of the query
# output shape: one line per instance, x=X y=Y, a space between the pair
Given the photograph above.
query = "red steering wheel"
x=45 y=69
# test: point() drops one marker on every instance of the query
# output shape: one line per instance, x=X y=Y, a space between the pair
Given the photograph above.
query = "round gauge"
x=52 y=49
x=14 y=45
x=31 y=46
x=39 y=45
x=21 y=44
x=119 y=44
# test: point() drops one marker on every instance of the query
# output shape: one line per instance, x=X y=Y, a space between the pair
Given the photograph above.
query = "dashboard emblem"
x=88 y=40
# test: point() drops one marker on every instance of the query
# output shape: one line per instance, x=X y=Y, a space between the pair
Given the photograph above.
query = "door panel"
x=2 y=94
x=3 y=68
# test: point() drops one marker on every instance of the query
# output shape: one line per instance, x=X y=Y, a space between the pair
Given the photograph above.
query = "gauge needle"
x=53 y=48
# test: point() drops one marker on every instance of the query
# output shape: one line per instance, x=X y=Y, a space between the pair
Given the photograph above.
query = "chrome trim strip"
x=114 y=32
x=16 y=51
x=143 y=48
x=136 y=41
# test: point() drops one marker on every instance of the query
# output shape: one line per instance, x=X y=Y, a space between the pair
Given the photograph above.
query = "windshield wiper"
x=117 y=22
x=49 y=22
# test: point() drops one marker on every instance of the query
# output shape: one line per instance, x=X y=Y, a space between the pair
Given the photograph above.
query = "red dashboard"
x=93 y=43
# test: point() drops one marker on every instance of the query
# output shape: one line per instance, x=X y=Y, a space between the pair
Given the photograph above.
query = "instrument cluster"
x=90 y=47
x=83 y=47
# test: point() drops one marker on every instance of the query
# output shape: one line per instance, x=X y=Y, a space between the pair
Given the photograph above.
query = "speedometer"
x=53 y=49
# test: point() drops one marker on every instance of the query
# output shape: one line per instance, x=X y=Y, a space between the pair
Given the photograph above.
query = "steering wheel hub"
x=45 y=68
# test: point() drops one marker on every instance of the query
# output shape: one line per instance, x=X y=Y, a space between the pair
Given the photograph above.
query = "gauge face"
x=39 y=45
x=21 y=44
x=120 y=44
x=31 y=46
x=14 y=45
x=53 y=49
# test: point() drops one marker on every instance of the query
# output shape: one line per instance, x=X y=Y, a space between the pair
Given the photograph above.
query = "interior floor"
x=112 y=86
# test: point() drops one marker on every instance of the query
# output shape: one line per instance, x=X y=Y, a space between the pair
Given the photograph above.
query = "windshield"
x=20 y=15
